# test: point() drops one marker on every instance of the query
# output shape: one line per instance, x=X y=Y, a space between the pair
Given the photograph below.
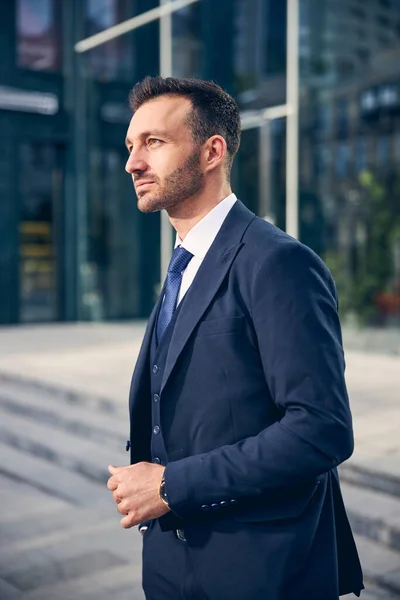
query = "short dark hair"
x=214 y=112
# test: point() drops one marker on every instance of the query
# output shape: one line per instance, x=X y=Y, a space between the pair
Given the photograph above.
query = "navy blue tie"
x=179 y=261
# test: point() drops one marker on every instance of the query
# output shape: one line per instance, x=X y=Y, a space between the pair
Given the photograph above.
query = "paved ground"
x=98 y=359
x=59 y=530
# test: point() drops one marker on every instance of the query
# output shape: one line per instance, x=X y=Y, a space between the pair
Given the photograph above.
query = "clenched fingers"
x=116 y=477
x=121 y=507
x=117 y=496
x=129 y=521
x=112 y=483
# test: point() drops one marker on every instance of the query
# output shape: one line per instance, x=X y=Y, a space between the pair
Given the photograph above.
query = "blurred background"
x=72 y=244
x=318 y=85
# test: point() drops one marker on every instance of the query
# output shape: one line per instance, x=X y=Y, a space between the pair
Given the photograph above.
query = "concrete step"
x=50 y=478
x=96 y=587
x=72 y=453
x=57 y=569
x=67 y=395
x=9 y=592
x=373 y=515
x=90 y=428
x=80 y=555
x=56 y=523
x=40 y=506
x=373 y=592
x=78 y=418
x=381 y=568
x=60 y=535
x=63 y=551
x=119 y=582
x=16 y=497
x=26 y=529
x=384 y=480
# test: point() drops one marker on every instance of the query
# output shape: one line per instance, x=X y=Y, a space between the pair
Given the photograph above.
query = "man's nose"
x=135 y=163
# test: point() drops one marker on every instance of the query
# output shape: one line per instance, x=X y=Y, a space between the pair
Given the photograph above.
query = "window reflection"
x=187 y=43
x=112 y=271
x=38 y=40
x=361 y=155
x=112 y=60
x=343 y=156
x=359 y=195
x=259 y=48
x=39 y=192
x=383 y=151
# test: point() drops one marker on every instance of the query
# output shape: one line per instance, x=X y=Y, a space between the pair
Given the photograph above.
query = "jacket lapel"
x=209 y=278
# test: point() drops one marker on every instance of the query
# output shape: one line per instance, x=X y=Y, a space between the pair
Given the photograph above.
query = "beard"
x=184 y=182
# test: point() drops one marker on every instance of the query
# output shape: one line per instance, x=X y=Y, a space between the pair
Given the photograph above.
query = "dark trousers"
x=168 y=572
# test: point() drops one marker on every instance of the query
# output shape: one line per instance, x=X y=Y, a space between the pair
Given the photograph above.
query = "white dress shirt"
x=200 y=238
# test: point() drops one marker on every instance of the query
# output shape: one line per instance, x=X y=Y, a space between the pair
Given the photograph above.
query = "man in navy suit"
x=238 y=404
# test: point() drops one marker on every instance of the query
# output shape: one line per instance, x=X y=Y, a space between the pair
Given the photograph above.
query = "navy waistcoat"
x=158 y=358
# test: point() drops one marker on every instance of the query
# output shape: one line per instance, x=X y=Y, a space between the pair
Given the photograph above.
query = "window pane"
x=38 y=39
x=39 y=189
x=259 y=50
x=187 y=44
x=112 y=272
x=358 y=196
x=112 y=60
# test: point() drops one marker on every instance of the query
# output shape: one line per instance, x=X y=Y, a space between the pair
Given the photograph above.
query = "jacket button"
x=156 y=397
x=156 y=460
x=128 y=445
x=214 y=506
x=155 y=369
x=205 y=507
x=156 y=430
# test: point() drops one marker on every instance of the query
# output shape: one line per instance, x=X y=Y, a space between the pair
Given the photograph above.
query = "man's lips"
x=142 y=183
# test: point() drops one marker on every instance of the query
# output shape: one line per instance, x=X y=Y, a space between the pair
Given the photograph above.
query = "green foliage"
x=359 y=284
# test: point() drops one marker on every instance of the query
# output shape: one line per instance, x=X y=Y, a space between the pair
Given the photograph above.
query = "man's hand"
x=136 y=490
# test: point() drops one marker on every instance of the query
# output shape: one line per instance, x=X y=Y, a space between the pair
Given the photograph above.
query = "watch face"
x=163 y=493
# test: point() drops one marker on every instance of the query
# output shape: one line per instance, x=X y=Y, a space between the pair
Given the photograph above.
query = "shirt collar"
x=202 y=235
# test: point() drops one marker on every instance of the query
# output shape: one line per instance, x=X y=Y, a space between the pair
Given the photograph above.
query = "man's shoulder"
x=263 y=239
x=266 y=245
x=262 y=230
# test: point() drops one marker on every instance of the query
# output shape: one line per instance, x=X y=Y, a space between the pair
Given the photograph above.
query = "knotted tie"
x=179 y=261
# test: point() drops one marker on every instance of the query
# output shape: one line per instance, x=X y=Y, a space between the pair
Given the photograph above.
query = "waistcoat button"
x=155 y=369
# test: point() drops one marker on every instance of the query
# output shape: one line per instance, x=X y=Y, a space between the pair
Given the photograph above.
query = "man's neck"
x=190 y=213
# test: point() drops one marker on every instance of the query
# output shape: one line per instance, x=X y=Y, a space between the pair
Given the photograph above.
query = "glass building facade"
x=350 y=162
x=73 y=245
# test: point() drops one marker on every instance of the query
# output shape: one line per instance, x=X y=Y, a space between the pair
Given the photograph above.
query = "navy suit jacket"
x=255 y=418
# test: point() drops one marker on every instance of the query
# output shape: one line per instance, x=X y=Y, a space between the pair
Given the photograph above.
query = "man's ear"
x=215 y=152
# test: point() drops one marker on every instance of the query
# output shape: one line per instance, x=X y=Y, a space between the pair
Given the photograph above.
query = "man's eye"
x=153 y=141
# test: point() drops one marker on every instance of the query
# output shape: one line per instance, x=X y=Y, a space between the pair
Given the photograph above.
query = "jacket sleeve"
x=294 y=313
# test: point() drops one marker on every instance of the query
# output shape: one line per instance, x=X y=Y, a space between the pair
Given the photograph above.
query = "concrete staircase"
x=59 y=529
x=374 y=512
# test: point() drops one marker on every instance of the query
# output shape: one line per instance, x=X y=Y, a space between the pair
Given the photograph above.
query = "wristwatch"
x=163 y=491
